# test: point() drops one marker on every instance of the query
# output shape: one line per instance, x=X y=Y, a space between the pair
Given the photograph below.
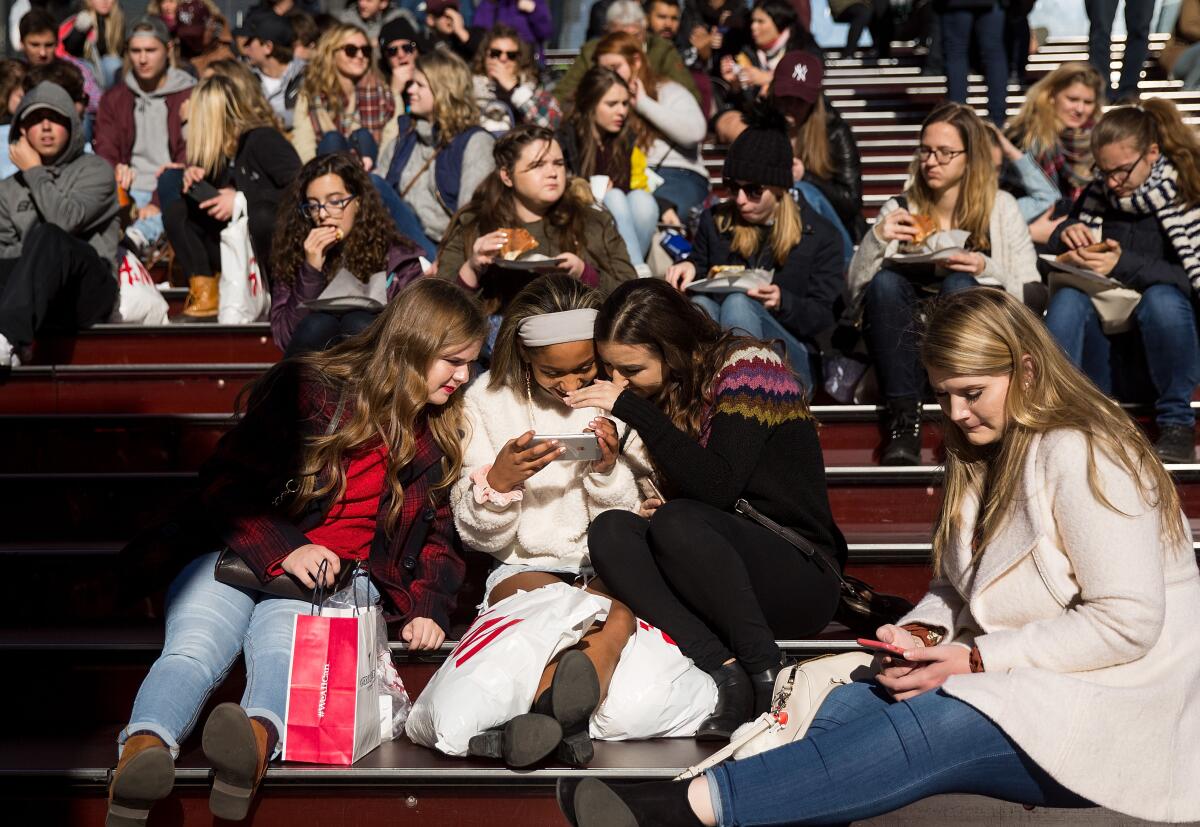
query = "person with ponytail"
x=342 y=458
x=1054 y=660
x=1144 y=209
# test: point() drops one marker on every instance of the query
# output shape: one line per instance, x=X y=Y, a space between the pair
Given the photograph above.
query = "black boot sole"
x=564 y=794
x=576 y=749
x=596 y=805
x=523 y=741
x=147 y=779
x=230 y=745
x=575 y=690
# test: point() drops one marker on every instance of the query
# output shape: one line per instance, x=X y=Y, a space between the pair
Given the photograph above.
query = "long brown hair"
x=810 y=140
x=552 y=293
x=1035 y=127
x=380 y=376
x=629 y=48
x=989 y=333
x=1156 y=121
x=977 y=192
x=785 y=232
x=592 y=89
x=363 y=251
x=526 y=66
x=692 y=347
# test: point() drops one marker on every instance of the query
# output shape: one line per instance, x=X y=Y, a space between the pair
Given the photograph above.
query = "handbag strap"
x=803 y=544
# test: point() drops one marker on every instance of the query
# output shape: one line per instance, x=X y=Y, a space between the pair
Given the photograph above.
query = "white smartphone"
x=580 y=447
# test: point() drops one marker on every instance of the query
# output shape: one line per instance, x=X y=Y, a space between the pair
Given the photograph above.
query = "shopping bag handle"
x=319 y=590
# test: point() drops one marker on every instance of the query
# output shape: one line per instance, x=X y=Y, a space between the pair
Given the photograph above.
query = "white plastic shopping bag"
x=244 y=296
x=493 y=672
x=139 y=301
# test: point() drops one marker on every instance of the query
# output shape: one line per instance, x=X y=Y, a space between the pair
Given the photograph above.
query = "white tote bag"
x=139 y=301
x=244 y=296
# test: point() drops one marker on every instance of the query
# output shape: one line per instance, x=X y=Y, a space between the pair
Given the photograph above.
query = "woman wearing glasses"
x=343 y=105
x=1144 y=208
x=332 y=223
x=507 y=87
x=954 y=184
x=233 y=144
x=764 y=225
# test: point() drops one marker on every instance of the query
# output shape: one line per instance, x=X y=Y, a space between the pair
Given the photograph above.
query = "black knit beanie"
x=763 y=153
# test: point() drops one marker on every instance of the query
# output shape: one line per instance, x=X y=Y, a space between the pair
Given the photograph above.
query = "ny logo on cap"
x=800 y=72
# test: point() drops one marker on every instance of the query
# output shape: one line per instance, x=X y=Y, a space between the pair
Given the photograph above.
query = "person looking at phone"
x=234 y=145
x=766 y=225
x=1063 y=609
x=1138 y=222
x=517 y=500
x=342 y=457
x=331 y=220
x=954 y=187
x=723 y=419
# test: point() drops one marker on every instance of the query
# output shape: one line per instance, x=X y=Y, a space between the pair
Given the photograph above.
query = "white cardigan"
x=1011 y=264
x=549 y=525
x=1089 y=629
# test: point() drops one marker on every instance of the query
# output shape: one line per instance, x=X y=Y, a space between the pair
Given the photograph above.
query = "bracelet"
x=928 y=636
x=484 y=493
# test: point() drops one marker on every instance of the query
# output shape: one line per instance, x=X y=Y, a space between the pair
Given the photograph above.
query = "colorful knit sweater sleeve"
x=755 y=393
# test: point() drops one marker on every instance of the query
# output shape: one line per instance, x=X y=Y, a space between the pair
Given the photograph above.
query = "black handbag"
x=861 y=608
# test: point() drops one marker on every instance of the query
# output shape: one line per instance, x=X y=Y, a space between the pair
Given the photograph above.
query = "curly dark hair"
x=364 y=250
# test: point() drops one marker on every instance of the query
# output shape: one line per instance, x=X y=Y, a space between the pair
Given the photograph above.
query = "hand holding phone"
x=579 y=447
x=881 y=648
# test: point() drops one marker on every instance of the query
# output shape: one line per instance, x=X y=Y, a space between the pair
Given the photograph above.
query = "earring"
x=528 y=385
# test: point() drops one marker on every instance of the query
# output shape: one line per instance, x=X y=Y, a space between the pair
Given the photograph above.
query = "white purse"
x=799 y=692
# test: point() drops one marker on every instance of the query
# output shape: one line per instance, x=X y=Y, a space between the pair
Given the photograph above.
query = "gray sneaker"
x=1176 y=443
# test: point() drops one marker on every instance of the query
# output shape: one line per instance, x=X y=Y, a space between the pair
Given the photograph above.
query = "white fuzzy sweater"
x=549 y=525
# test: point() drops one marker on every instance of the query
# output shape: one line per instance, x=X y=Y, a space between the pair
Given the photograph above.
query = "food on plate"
x=725 y=269
x=519 y=242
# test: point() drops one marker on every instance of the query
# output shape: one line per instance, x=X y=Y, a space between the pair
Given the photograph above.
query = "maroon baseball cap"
x=798 y=75
x=436 y=8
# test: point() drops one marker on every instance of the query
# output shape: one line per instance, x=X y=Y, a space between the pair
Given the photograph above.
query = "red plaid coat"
x=417 y=567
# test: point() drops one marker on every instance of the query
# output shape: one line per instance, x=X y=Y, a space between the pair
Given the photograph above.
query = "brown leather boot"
x=238 y=747
x=203 y=298
x=144 y=775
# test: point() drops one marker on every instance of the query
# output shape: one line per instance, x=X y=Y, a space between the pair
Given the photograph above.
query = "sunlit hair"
x=581 y=120
x=977 y=192
x=381 y=377
x=454 y=106
x=630 y=49
x=322 y=87
x=985 y=332
x=693 y=348
x=552 y=293
x=114 y=31
x=217 y=118
x=1036 y=128
x=810 y=140
x=249 y=89
x=785 y=232
x=493 y=205
x=526 y=67
x=364 y=250
x=1156 y=121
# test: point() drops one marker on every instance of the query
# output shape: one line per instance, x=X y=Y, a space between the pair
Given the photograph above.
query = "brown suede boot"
x=238 y=747
x=144 y=775
x=203 y=298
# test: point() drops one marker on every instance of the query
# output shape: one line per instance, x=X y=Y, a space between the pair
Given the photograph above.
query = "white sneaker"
x=137 y=241
x=8 y=356
x=643 y=271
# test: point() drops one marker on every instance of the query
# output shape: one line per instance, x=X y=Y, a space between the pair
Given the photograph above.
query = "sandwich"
x=1098 y=247
x=519 y=243
x=725 y=269
x=926 y=227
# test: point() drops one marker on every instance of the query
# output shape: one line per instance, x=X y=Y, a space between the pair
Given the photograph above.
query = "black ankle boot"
x=735 y=703
x=764 y=688
x=571 y=699
x=592 y=803
x=903 y=425
x=524 y=740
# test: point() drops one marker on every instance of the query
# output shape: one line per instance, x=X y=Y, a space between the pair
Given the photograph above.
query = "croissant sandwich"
x=518 y=244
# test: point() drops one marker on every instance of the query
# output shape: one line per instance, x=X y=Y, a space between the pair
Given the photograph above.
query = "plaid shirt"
x=374 y=106
x=417 y=567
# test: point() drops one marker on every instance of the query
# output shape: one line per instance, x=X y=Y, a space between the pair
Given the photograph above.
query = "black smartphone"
x=202 y=191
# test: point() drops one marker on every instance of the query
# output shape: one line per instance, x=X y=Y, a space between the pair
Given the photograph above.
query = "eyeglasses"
x=353 y=50
x=1119 y=175
x=333 y=208
x=496 y=54
x=943 y=156
x=408 y=47
x=753 y=191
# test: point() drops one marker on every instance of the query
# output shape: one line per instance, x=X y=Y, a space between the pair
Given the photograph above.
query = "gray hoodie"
x=76 y=192
x=151 y=146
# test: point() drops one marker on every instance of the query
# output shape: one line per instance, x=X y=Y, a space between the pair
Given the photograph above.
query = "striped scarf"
x=1157 y=196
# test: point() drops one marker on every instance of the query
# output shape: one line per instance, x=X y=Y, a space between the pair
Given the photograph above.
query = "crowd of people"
x=401 y=156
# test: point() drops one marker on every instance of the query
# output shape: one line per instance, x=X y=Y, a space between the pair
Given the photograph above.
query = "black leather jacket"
x=844 y=187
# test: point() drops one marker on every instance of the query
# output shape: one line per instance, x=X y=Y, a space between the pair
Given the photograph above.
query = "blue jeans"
x=988 y=28
x=739 y=311
x=1187 y=67
x=405 y=217
x=208 y=625
x=889 y=316
x=170 y=187
x=822 y=207
x=865 y=755
x=1138 y=14
x=150 y=228
x=1163 y=345
x=360 y=140
x=110 y=71
x=636 y=214
x=683 y=188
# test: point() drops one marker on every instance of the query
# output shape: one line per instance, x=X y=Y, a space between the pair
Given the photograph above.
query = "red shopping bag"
x=332 y=712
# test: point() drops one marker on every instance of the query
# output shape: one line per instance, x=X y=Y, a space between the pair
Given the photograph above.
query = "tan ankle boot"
x=144 y=775
x=203 y=298
x=239 y=750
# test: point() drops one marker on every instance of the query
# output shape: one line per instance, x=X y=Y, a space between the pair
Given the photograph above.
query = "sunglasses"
x=753 y=191
x=408 y=47
x=353 y=50
x=496 y=54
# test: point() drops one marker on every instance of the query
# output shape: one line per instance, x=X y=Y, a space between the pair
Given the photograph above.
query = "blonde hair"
x=1036 y=127
x=786 y=228
x=454 y=106
x=217 y=119
x=1156 y=121
x=321 y=85
x=114 y=31
x=977 y=192
x=810 y=141
x=986 y=332
x=249 y=89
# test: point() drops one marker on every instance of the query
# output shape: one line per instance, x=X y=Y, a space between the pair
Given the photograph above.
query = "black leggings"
x=875 y=14
x=720 y=585
x=196 y=236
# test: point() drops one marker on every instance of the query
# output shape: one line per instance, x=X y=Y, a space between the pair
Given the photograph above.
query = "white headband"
x=556 y=328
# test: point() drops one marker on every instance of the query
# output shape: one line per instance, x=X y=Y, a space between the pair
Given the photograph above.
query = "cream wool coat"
x=1089 y=629
x=549 y=526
